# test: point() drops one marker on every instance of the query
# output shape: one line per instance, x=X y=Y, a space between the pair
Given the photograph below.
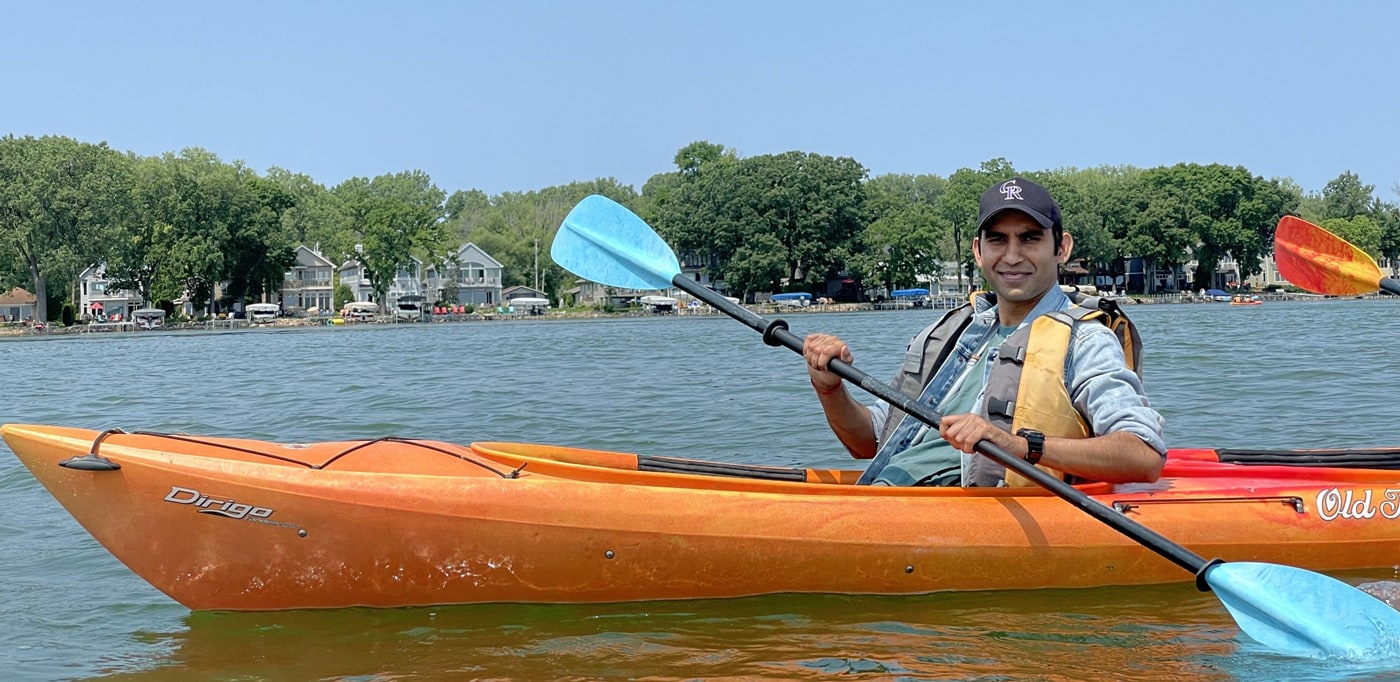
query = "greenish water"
x=1278 y=375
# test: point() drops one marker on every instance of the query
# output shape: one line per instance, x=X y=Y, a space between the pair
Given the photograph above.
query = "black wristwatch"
x=1035 y=444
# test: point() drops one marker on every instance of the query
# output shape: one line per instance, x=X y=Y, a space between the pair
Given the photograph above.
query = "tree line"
x=797 y=220
x=172 y=226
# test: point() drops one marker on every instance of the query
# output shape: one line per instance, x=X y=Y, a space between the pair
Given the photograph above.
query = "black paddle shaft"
x=775 y=333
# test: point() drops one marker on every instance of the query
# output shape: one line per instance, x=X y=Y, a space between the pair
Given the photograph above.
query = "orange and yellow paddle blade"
x=1321 y=262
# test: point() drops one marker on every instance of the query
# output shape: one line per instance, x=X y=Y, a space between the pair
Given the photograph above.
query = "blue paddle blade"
x=1302 y=613
x=600 y=240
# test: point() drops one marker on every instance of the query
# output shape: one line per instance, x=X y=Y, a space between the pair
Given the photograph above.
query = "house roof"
x=307 y=257
x=464 y=249
x=519 y=288
x=17 y=296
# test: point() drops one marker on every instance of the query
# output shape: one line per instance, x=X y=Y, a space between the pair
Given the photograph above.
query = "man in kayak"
x=1059 y=393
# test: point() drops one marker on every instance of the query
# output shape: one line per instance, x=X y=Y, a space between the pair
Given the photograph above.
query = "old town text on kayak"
x=1334 y=503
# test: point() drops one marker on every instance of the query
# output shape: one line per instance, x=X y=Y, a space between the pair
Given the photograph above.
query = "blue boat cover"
x=909 y=293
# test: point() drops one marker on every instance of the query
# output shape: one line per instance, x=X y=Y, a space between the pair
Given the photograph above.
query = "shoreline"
x=766 y=309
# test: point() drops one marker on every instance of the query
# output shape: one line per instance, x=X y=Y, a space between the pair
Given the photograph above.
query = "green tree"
x=898 y=247
x=343 y=295
x=11 y=272
x=811 y=206
x=1098 y=208
x=393 y=216
x=1162 y=233
x=811 y=203
x=693 y=156
x=143 y=247
x=1346 y=197
x=1258 y=215
x=695 y=209
x=464 y=202
x=898 y=189
x=201 y=222
x=658 y=192
x=257 y=251
x=957 y=208
x=1390 y=235
x=1211 y=211
x=314 y=219
x=58 y=197
x=205 y=191
x=903 y=238
x=758 y=265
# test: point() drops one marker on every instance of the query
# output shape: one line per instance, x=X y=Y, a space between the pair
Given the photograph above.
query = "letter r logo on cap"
x=1010 y=191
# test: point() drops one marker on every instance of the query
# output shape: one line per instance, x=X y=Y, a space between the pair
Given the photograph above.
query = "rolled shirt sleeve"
x=1109 y=394
x=879 y=414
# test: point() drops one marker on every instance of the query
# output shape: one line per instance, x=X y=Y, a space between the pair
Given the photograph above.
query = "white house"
x=467 y=276
x=407 y=281
x=308 y=283
x=98 y=301
x=352 y=275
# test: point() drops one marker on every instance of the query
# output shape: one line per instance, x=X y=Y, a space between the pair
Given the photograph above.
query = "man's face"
x=1018 y=258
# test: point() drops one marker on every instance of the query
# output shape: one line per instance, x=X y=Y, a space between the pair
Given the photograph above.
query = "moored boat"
x=235 y=524
x=148 y=318
x=660 y=305
x=262 y=313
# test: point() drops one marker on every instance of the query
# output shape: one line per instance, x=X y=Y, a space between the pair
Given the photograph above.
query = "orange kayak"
x=233 y=524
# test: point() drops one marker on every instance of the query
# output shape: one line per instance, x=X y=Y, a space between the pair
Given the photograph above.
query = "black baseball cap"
x=1020 y=194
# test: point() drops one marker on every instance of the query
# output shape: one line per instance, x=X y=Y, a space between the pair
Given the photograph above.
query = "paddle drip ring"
x=770 y=333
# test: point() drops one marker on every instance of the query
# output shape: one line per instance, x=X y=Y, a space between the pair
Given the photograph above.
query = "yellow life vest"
x=1026 y=387
x=1029 y=391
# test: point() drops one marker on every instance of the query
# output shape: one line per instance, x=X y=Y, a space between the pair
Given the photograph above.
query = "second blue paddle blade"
x=600 y=240
x=1302 y=613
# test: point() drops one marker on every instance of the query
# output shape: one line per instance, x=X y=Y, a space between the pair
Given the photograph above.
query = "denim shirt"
x=1108 y=394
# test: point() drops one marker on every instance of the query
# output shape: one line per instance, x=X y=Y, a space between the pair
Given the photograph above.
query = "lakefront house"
x=16 y=306
x=406 y=282
x=468 y=276
x=98 y=301
x=472 y=277
x=308 y=284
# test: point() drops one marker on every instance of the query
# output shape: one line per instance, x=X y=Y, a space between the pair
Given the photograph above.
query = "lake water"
x=1278 y=375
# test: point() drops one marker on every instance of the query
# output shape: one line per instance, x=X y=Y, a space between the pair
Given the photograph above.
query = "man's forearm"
x=1117 y=457
x=850 y=421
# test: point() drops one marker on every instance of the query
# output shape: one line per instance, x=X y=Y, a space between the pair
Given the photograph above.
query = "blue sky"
x=514 y=96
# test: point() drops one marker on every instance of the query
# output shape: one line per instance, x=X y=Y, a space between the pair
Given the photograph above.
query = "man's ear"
x=1066 y=246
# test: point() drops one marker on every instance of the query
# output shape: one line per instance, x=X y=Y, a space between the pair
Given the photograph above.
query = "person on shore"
x=1023 y=367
